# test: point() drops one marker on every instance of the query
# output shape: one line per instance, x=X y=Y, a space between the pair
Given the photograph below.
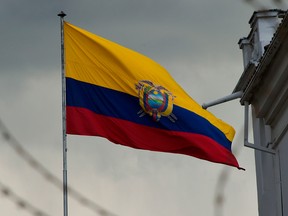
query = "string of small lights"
x=48 y=176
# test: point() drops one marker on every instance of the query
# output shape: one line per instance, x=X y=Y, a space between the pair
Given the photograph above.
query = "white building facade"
x=264 y=84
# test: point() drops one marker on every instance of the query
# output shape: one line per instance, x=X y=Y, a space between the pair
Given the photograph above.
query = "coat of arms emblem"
x=155 y=100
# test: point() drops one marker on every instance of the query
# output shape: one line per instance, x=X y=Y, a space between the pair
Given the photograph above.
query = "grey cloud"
x=195 y=40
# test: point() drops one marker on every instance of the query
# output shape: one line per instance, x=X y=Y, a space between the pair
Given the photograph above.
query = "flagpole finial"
x=62 y=14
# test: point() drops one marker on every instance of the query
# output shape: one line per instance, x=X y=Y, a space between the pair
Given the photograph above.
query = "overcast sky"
x=195 y=40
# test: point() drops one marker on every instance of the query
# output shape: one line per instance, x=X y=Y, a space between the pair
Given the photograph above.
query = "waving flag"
x=119 y=94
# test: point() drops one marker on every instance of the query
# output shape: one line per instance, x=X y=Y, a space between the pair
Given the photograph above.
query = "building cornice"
x=251 y=77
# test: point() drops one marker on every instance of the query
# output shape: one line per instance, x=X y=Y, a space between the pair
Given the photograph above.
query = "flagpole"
x=65 y=188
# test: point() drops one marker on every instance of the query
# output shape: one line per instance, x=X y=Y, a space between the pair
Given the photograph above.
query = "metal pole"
x=223 y=99
x=246 y=119
x=246 y=134
x=65 y=188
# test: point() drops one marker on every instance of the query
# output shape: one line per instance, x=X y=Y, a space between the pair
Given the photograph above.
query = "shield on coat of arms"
x=155 y=100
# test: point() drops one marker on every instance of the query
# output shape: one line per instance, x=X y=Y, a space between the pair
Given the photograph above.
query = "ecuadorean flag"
x=119 y=94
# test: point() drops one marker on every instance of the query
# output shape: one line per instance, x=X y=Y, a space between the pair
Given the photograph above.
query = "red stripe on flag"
x=82 y=121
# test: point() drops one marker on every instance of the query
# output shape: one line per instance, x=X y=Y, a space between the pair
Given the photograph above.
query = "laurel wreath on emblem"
x=155 y=100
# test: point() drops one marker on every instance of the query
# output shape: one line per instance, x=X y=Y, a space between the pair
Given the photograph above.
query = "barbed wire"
x=48 y=176
x=20 y=202
x=258 y=5
x=224 y=175
x=223 y=178
x=281 y=4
